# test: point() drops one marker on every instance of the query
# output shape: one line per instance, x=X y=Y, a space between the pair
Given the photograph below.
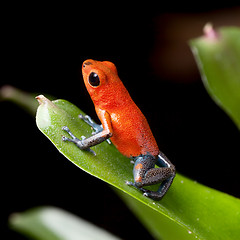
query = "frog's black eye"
x=93 y=79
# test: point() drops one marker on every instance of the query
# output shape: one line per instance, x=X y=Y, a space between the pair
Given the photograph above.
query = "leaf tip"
x=43 y=117
x=6 y=92
x=41 y=99
x=209 y=32
x=13 y=218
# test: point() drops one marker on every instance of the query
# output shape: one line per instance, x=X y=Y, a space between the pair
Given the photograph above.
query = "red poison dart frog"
x=124 y=123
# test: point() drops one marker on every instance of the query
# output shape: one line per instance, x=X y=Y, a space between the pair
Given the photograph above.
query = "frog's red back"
x=131 y=133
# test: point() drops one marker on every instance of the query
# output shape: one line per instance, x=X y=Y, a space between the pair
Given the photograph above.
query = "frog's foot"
x=79 y=142
x=148 y=193
x=96 y=127
x=139 y=188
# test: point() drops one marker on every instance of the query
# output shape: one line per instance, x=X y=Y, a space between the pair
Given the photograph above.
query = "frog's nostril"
x=87 y=63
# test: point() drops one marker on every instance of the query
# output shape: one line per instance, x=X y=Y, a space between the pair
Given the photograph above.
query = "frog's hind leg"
x=163 y=161
x=146 y=174
x=163 y=188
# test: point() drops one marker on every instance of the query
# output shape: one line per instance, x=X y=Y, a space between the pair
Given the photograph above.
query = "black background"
x=43 y=49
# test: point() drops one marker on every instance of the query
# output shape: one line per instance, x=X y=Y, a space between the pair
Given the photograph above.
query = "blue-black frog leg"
x=96 y=127
x=146 y=174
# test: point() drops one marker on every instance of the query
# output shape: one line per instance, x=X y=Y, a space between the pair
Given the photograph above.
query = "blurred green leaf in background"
x=217 y=54
x=52 y=223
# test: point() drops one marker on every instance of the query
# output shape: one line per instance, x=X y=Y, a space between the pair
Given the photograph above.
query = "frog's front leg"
x=146 y=174
x=87 y=119
x=78 y=142
x=86 y=143
x=96 y=127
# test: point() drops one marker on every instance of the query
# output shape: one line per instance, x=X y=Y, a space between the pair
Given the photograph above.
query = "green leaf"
x=202 y=212
x=19 y=97
x=217 y=54
x=50 y=223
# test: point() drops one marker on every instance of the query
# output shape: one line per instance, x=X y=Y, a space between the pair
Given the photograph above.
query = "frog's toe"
x=129 y=183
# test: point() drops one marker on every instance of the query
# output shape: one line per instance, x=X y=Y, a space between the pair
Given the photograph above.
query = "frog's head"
x=101 y=80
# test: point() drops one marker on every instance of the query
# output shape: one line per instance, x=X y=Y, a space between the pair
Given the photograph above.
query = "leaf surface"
x=202 y=212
